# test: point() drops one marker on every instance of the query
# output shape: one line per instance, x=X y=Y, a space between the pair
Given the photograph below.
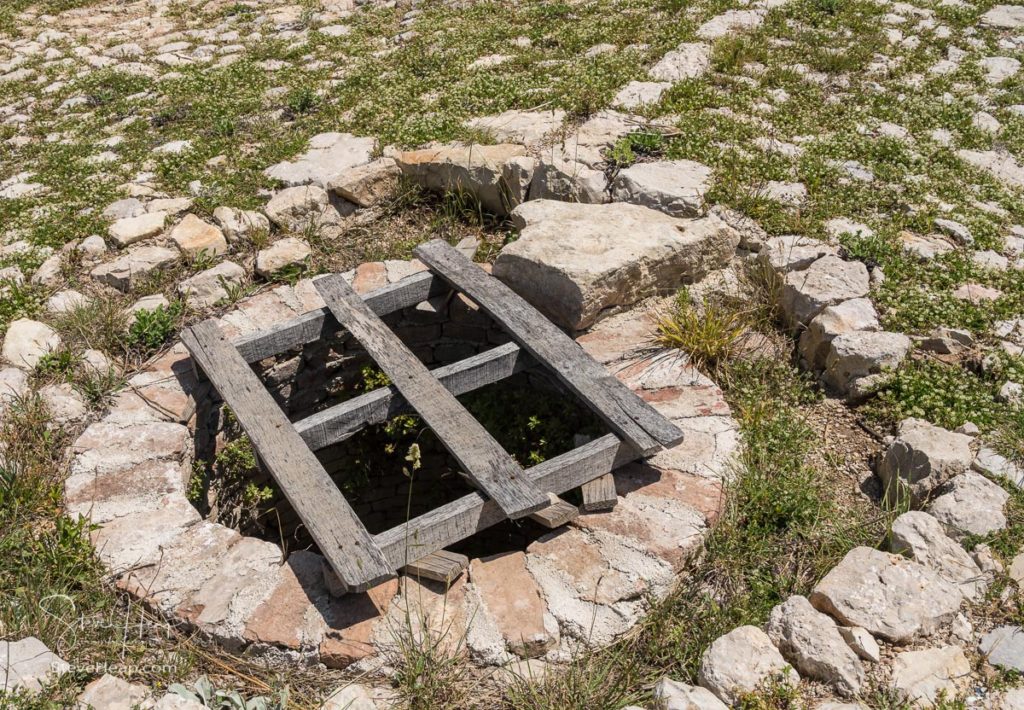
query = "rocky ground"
x=843 y=180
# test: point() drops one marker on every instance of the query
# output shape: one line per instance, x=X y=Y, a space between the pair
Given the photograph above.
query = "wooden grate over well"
x=504 y=490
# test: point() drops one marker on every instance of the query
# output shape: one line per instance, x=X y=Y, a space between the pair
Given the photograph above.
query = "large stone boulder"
x=920 y=537
x=812 y=643
x=922 y=458
x=675 y=187
x=739 y=662
x=826 y=282
x=857 y=314
x=883 y=594
x=574 y=261
x=473 y=169
x=329 y=155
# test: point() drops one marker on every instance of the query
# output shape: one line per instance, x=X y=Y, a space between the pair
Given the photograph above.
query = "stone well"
x=255 y=583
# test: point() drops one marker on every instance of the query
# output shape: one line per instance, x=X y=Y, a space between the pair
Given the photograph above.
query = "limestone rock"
x=999 y=163
x=687 y=61
x=296 y=208
x=922 y=458
x=672 y=695
x=793 y=252
x=367 y=185
x=26 y=665
x=350 y=697
x=862 y=643
x=111 y=693
x=27 y=341
x=999 y=69
x=129 y=230
x=882 y=593
x=738 y=662
x=812 y=643
x=240 y=224
x=558 y=177
x=194 y=237
x=514 y=126
x=574 y=261
x=991 y=462
x=210 y=286
x=282 y=254
x=731 y=21
x=64 y=403
x=861 y=354
x=855 y=315
x=927 y=246
x=920 y=537
x=125 y=271
x=971 y=505
x=328 y=156
x=826 y=282
x=640 y=93
x=475 y=169
x=1003 y=646
x=675 y=187
x=923 y=675
x=1004 y=17
x=67 y=301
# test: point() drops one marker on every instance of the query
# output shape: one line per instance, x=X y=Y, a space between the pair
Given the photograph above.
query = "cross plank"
x=557 y=514
x=440 y=566
x=489 y=465
x=599 y=494
x=341 y=421
x=621 y=409
x=474 y=512
x=351 y=551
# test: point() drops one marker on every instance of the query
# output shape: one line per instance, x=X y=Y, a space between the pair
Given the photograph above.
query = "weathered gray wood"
x=474 y=512
x=599 y=494
x=622 y=410
x=440 y=566
x=555 y=515
x=351 y=551
x=490 y=466
x=320 y=323
x=342 y=421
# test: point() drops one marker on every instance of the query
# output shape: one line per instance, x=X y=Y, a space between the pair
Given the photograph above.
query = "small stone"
x=350 y=697
x=27 y=341
x=640 y=93
x=990 y=260
x=295 y=208
x=367 y=185
x=27 y=665
x=812 y=643
x=731 y=22
x=920 y=537
x=211 y=286
x=194 y=237
x=134 y=229
x=1002 y=165
x=1003 y=646
x=793 y=252
x=689 y=60
x=838 y=226
x=64 y=302
x=881 y=593
x=94 y=363
x=738 y=662
x=925 y=675
x=93 y=246
x=1004 y=17
x=124 y=209
x=971 y=504
x=862 y=643
x=1017 y=570
x=124 y=272
x=857 y=314
x=826 y=282
x=956 y=230
x=986 y=122
x=282 y=254
x=672 y=695
x=961 y=628
x=514 y=126
x=111 y=693
x=969 y=428
x=999 y=69
x=922 y=458
x=926 y=246
x=791 y=194
x=857 y=355
x=49 y=272
x=240 y=224
x=675 y=187
x=990 y=462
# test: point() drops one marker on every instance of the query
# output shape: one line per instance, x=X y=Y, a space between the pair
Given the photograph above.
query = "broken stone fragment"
x=738 y=662
x=970 y=504
x=111 y=693
x=672 y=695
x=857 y=314
x=210 y=286
x=862 y=354
x=473 y=169
x=675 y=187
x=27 y=665
x=240 y=224
x=129 y=230
x=194 y=237
x=367 y=185
x=298 y=208
x=793 y=252
x=329 y=155
x=922 y=676
x=920 y=537
x=687 y=61
x=881 y=593
x=1003 y=646
x=27 y=342
x=133 y=266
x=862 y=643
x=289 y=252
x=828 y=281
x=922 y=458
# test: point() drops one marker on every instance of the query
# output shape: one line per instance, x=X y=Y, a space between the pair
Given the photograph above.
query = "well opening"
x=397 y=469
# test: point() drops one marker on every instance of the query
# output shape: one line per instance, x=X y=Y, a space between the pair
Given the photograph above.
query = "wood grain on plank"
x=599 y=494
x=343 y=420
x=440 y=566
x=622 y=410
x=351 y=551
x=557 y=514
x=320 y=323
x=474 y=512
x=489 y=465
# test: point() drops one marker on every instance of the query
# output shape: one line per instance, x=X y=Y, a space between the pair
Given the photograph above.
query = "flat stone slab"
x=922 y=676
x=574 y=261
x=27 y=665
x=527 y=127
x=738 y=662
x=1003 y=646
x=329 y=155
x=675 y=187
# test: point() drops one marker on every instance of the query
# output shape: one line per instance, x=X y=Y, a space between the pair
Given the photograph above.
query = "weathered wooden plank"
x=622 y=410
x=557 y=514
x=599 y=494
x=474 y=512
x=490 y=466
x=351 y=551
x=440 y=566
x=341 y=421
x=313 y=326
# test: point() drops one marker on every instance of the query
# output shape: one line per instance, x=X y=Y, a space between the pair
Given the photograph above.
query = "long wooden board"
x=474 y=512
x=319 y=323
x=489 y=465
x=341 y=421
x=621 y=409
x=351 y=551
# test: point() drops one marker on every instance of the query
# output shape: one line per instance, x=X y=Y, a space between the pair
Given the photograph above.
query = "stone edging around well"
x=589 y=582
